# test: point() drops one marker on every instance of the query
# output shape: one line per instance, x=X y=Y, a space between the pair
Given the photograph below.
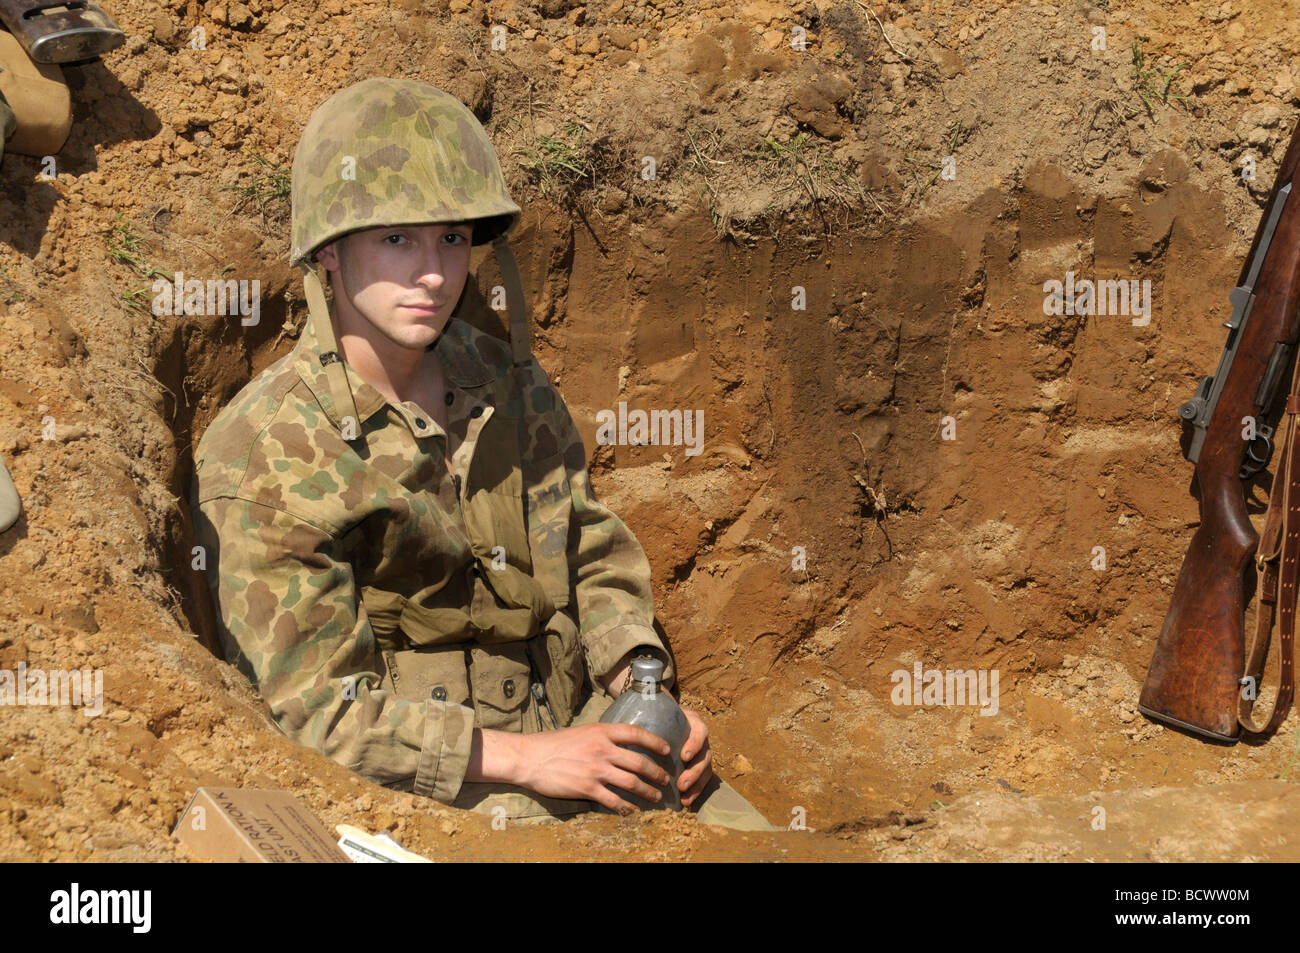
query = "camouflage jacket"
x=331 y=560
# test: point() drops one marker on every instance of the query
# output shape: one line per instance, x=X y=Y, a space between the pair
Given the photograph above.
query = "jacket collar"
x=462 y=364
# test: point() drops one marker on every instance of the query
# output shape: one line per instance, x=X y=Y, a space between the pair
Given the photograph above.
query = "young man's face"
x=399 y=282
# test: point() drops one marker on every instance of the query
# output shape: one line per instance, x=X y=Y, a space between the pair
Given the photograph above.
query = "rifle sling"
x=1278 y=562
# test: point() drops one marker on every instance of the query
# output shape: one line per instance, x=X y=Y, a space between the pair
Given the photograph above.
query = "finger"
x=630 y=782
x=698 y=739
x=639 y=764
x=701 y=768
x=607 y=798
x=692 y=775
x=634 y=735
x=697 y=788
x=693 y=751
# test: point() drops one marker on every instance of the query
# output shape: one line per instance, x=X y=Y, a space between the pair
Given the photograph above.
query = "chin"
x=426 y=337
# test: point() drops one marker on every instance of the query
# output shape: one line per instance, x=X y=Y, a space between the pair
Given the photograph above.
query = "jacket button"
x=439 y=694
x=419 y=423
x=450 y=397
x=508 y=686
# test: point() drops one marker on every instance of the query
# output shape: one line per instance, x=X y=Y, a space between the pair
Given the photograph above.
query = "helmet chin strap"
x=521 y=344
x=342 y=401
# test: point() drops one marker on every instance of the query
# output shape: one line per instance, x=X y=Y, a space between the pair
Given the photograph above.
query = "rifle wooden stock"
x=1193 y=680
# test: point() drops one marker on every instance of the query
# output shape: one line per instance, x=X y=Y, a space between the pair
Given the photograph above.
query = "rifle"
x=1200 y=679
x=61 y=32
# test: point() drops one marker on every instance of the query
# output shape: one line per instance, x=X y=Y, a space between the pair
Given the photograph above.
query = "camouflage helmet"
x=394 y=152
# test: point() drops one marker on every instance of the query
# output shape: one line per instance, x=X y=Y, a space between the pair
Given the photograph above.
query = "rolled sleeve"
x=444 y=758
x=288 y=617
x=605 y=649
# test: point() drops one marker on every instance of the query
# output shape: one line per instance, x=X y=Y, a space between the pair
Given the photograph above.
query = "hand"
x=579 y=762
x=697 y=757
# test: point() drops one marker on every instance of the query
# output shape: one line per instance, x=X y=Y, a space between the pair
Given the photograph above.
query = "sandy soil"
x=776 y=169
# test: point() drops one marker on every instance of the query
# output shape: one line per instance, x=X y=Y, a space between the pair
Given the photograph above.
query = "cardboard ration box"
x=246 y=825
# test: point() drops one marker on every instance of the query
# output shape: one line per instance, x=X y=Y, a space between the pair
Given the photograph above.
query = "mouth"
x=425 y=308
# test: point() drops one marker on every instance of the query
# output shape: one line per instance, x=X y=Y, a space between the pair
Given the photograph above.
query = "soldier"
x=405 y=550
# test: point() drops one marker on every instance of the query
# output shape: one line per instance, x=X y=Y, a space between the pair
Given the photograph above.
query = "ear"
x=329 y=256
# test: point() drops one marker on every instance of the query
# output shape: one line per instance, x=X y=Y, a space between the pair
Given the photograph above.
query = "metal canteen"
x=644 y=705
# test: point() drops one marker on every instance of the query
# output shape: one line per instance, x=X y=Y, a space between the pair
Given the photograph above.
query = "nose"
x=430 y=271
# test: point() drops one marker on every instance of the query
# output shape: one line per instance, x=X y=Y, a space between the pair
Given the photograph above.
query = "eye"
x=395 y=235
x=463 y=238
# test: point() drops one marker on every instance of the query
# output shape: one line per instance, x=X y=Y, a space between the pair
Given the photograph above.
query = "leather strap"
x=520 y=329
x=1278 y=562
x=343 y=402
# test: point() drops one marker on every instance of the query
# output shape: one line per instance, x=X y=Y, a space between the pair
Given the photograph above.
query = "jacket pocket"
x=550 y=514
x=439 y=673
x=499 y=676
